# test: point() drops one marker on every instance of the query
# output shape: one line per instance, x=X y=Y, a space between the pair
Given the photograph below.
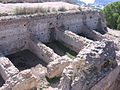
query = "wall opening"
x=25 y=60
x=1 y=81
x=61 y=49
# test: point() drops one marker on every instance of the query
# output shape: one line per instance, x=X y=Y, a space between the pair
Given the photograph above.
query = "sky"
x=88 y=1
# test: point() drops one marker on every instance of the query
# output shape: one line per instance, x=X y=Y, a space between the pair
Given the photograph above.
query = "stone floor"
x=1 y=81
x=25 y=60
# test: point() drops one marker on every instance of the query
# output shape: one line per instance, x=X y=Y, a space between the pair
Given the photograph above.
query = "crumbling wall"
x=42 y=51
x=14 y=79
x=72 y=40
x=13 y=36
x=15 y=32
x=96 y=21
x=91 y=65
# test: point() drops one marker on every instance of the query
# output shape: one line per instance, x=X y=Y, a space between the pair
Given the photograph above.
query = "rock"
x=42 y=51
x=92 y=63
x=56 y=67
x=97 y=54
x=70 y=39
x=110 y=82
x=67 y=77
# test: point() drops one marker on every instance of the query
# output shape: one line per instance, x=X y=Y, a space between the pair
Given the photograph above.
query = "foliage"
x=70 y=53
x=53 y=80
x=111 y=13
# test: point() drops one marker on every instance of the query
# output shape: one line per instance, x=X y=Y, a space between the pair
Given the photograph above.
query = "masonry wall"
x=15 y=32
x=13 y=36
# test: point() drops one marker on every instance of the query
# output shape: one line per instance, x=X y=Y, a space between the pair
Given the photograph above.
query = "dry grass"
x=21 y=11
x=3 y=14
x=31 y=10
x=62 y=9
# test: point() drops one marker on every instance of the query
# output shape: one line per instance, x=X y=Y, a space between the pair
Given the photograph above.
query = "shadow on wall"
x=25 y=60
x=1 y=81
x=100 y=28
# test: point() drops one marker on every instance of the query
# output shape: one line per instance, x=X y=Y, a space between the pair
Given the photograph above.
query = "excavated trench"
x=1 y=81
x=25 y=60
x=61 y=49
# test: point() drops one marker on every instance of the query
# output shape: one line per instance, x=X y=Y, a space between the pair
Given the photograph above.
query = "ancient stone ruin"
x=69 y=45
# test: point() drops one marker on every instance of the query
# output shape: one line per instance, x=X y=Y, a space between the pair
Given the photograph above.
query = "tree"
x=111 y=13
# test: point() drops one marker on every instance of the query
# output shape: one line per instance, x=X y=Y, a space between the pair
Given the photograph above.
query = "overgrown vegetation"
x=23 y=11
x=111 y=13
x=33 y=10
x=53 y=80
x=70 y=53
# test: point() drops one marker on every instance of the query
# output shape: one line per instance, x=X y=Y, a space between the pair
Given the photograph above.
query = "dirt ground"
x=25 y=60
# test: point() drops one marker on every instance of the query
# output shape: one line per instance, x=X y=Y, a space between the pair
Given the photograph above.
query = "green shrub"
x=70 y=53
x=111 y=13
x=53 y=80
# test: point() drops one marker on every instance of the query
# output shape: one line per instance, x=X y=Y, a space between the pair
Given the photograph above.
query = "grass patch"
x=70 y=53
x=53 y=80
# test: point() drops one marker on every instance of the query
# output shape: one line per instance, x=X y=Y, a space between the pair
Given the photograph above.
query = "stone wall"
x=15 y=31
x=13 y=36
x=15 y=80
x=42 y=51
x=72 y=40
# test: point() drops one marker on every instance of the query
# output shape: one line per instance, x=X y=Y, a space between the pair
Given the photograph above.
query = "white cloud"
x=88 y=1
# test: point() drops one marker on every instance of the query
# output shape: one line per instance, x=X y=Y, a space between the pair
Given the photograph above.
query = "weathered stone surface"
x=42 y=51
x=82 y=73
x=97 y=54
x=56 y=67
x=91 y=34
x=110 y=82
x=114 y=35
x=71 y=40
x=16 y=31
x=7 y=69
x=92 y=64
x=67 y=77
x=25 y=80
